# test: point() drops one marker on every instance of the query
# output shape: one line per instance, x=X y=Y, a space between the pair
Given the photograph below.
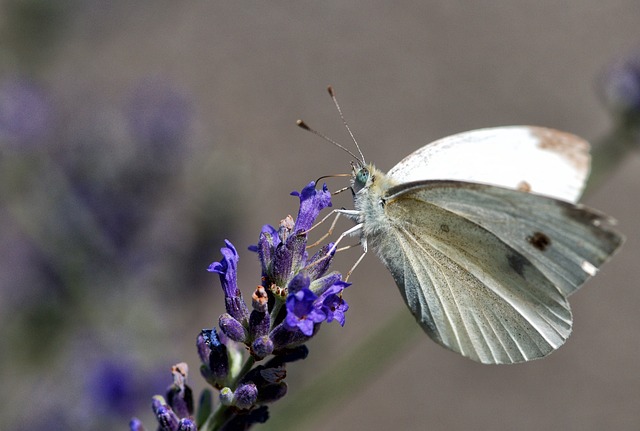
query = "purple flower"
x=112 y=386
x=332 y=303
x=136 y=425
x=312 y=201
x=302 y=312
x=620 y=85
x=246 y=395
x=228 y=270
x=159 y=115
x=25 y=113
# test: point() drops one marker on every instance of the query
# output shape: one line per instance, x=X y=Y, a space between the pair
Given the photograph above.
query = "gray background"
x=406 y=73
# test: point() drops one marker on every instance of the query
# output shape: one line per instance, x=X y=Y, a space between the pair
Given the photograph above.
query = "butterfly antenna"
x=344 y=121
x=306 y=127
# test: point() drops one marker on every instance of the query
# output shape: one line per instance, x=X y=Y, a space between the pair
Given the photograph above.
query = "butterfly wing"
x=476 y=292
x=566 y=242
x=526 y=158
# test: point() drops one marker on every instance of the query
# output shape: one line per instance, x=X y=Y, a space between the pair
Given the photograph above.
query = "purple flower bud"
x=273 y=375
x=226 y=397
x=266 y=246
x=260 y=320
x=167 y=419
x=232 y=328
x=289 y=355
x=299 y=282
x=136 y=425
x=285 y=338
x=228 y=270
x=317 y=270
x=245 y=395
x=312 y=201
x=322 y=284
x=269 y=381
x=245 y=419
x=202 y=343
x=187 y=424
x=301 y=313
x=262 y=347
x=289 y=258
x=216 y=368
x=271 y=393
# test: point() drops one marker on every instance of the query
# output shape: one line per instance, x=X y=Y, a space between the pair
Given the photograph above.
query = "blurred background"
x=136 y=137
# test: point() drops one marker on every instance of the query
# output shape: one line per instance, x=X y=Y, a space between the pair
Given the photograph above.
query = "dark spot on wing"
x=539 y=241
x=444 y=227
x=517 y=263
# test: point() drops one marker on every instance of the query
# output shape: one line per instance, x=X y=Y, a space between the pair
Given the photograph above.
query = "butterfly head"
x=361 y=177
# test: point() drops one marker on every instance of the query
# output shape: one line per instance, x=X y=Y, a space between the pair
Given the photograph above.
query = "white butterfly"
x=483 y=236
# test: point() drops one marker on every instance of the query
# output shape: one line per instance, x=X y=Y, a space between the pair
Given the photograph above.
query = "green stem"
x=248 y=364
x=611 y=150
x=276 y=310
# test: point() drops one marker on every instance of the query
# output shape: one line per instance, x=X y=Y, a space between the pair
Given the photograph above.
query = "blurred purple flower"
x=159 y=115
x=114 y=387
x=25 y=113
x=620 y=85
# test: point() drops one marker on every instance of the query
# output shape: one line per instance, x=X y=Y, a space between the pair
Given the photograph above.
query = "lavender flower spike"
x=296 y=294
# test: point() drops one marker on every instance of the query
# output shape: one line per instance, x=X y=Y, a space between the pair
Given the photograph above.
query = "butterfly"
x=484 y=236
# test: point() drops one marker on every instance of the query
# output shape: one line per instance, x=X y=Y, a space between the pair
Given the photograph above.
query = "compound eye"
x=362 y=176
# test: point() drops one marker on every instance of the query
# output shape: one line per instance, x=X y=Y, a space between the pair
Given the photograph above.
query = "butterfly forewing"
x=526 y=158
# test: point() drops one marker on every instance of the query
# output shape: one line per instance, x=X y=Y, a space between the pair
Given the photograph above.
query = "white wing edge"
x=532 y=159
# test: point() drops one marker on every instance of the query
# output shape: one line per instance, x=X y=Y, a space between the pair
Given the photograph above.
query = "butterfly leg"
x=329 y=232
x=364 y=246
x=348 y=232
